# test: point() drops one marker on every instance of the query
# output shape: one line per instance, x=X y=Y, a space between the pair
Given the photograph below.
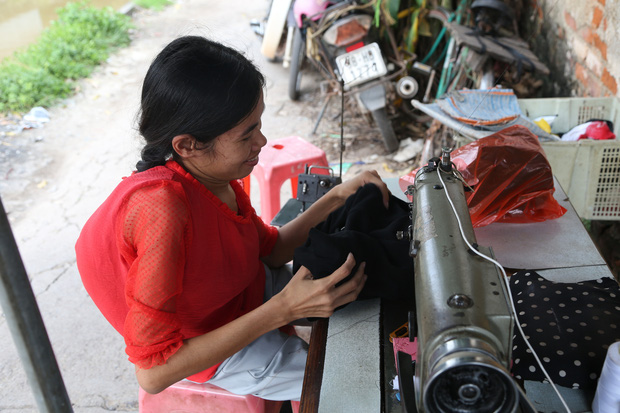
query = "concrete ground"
x=53 y=178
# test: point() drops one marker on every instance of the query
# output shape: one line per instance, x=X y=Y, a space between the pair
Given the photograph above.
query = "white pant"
x=271 y=367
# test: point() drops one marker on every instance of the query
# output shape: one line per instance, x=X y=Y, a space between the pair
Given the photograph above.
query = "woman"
x=175 y=258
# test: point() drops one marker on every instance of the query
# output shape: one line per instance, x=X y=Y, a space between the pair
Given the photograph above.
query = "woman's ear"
x=184 y=145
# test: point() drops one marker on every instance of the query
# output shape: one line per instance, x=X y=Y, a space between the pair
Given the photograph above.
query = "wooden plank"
x=393 y=315
x=313 y=376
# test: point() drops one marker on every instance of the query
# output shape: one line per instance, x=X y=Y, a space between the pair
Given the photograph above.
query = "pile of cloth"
x=477 y=113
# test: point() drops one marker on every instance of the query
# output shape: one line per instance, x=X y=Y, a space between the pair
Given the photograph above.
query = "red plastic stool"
x=188 y=397
x=279 y=160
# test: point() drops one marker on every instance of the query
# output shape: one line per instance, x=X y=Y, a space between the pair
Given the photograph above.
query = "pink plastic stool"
x=187 y=397
x=279 y=160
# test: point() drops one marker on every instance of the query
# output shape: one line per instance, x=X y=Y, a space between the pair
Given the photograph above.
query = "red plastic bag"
x=511 y=178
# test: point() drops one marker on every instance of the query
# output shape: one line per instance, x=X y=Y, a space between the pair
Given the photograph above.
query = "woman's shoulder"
x=160 y=196
x=154 y=191
x=165 y=177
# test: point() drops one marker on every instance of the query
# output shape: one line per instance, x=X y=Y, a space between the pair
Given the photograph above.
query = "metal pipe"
x=321 y=113
x=27 y=328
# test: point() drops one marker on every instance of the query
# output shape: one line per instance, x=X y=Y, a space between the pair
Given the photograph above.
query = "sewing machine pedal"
x=406 y=372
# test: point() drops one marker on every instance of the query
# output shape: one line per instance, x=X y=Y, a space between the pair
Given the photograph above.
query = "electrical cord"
x=506 y=281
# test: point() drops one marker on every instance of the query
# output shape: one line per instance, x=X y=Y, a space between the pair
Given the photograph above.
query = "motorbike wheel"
x=387 y=131
x=298 y=55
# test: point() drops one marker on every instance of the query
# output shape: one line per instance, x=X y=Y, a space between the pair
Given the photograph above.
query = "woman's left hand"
x=349 y=187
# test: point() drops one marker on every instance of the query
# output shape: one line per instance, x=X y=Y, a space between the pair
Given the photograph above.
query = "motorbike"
x=350 y=45
x=278 y=21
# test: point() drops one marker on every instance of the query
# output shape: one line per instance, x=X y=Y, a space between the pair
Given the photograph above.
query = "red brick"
x=580 y=73
x=600 y=45
x=602 y=2
x=609 y=81
x=594 y=64
x=570 y=20
x=594 y=88
x=587 y=34
x=589 y=84
x=597 y=16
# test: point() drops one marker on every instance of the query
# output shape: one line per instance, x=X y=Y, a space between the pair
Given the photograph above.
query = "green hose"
x=447 y=67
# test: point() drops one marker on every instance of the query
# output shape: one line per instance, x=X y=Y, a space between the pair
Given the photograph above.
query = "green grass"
x=153 y=4
x=81 y=38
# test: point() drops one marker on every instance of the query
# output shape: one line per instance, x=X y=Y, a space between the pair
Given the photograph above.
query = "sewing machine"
x=462 y=318
x=351 y=365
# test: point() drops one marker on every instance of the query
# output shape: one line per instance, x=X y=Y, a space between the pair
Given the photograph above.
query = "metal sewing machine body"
x=463 y=321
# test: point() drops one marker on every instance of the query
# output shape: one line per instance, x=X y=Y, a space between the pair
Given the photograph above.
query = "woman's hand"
x=295 y=233
x=349 y=187
x=305 y=297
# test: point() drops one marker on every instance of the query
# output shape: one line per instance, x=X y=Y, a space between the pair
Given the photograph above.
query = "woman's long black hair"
x=198 y=87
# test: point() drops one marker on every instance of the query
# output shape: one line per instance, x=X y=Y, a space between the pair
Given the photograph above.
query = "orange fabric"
x=165 y=260
x=155 y=222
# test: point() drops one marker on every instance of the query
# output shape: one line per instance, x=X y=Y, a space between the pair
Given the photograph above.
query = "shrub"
x=153 y=4
x=74 y=44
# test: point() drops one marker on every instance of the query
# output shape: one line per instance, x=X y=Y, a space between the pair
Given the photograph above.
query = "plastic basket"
x=589 y=171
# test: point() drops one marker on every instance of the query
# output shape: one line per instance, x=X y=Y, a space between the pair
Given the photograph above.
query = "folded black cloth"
x=569 y=325
x=364 y=227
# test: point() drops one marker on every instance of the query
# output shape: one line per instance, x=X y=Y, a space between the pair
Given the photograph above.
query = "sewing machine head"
x=464 y=323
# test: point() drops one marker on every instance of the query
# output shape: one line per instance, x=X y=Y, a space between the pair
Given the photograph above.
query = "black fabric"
x=569 y=325
x=365 y=228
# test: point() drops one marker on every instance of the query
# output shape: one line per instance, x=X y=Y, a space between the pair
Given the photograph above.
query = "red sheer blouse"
x=165 y=260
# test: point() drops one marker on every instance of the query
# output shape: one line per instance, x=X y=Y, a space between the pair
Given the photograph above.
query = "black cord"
x=341 y=123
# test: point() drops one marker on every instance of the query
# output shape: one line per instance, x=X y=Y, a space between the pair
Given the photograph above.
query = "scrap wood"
x=428 y=150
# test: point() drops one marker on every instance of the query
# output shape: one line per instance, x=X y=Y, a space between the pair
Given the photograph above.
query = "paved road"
x=68 y=167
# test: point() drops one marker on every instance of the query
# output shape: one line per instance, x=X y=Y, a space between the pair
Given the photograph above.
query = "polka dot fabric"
x=569 y=325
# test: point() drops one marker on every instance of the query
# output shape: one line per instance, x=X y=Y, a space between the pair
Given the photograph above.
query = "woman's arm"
x=303 y=297
x=295 y=233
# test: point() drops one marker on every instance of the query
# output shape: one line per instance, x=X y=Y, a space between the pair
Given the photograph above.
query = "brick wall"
x=580 y=42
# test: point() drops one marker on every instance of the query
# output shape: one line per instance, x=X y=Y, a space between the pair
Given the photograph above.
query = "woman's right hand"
x=305 y=297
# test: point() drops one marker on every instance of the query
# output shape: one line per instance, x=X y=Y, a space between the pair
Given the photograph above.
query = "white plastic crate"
x=588 y=170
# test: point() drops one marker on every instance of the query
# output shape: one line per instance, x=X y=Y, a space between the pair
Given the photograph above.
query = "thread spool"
x=607 y=397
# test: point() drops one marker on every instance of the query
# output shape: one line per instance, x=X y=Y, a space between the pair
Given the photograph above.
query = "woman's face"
x=234 y=153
